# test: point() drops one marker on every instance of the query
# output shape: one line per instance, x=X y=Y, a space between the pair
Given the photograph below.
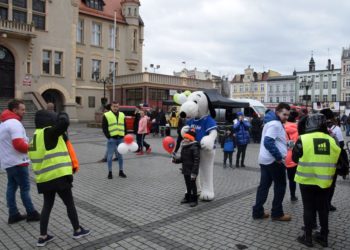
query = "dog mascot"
x=200 y=116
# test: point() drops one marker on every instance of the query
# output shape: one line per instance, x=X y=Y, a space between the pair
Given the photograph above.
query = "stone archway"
x=7 y=73
x=54 y=96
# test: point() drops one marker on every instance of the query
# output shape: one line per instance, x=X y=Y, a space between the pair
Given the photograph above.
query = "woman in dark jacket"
x=55 y=128
x=189 y=158
x=241 y=129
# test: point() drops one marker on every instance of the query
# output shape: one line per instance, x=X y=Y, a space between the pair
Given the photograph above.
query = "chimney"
x=329 y=64
x=332 y=67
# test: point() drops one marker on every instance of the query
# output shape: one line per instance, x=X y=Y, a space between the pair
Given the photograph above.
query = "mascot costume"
x=200 y=116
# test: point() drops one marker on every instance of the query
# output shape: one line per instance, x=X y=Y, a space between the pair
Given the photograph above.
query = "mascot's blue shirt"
x=202 y=126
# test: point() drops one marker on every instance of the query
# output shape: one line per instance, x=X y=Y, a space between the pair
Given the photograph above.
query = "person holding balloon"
x=113 y=126
x=190 y=157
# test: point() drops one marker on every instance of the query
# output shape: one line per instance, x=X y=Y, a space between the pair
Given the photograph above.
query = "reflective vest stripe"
x=316 y=164
x=50 y=156
x=50 y=168
x=310 y=175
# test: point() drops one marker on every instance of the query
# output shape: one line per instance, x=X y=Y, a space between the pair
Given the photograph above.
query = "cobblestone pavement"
x=143 y=211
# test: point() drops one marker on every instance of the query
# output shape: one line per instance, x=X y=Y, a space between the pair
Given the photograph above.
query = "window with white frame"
x=271 y=99
x=277 y=99
x=246 y=87
x=134 y=41
x=58 y=63
x=241 y=88
x=234 y=88
x=79 y=67
x=113 y=67
x=347 y=82
x=348 y=67
x=96 y=69
x=291 y=99
x=317 y=98
x=277 y=88
x=284 y=98
x=324 y=98
x=334 y=84
x=347 y=97
x=112 y=37
x=284 y=87
x=270 y=89
x=334 y=98
x=96 y=34
x=317 y=85
x=80 y=31
x=46 y=65
x=325 y=85
x=38 y=18
x=262 y=87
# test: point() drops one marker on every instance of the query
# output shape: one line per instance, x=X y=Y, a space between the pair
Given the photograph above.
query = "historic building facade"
x=281 y=89
x=323 y=85
x=251 y=84
x=45 y=55
x=345 y=75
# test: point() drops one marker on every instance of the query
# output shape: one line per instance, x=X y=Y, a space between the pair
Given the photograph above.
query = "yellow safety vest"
x=49 y=164
x=318 y=164
x=115 y=127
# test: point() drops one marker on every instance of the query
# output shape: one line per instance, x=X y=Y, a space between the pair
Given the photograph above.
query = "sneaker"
x=121 y=174
x=139 y=153
x=305 y=241
x=332 y=208
x=110 y=176
x=265 y=216
x=103 y=160
x=285 y=217
x=16 y=218
x=294 y=198
x=42 y=242
x=149 y=150
x=323 y=241
x=82 y=232
x=193 y=203
x=35 y=216
x=184 y=201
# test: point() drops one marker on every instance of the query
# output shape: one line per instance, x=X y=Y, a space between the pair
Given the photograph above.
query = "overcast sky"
x=225 y=36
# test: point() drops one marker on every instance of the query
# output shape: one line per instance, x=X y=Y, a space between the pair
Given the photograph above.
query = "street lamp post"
x=104 y=80
x=154 y=67
x=306 y=85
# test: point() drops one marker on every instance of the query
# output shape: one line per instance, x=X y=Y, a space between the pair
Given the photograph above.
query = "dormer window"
x=95 y=4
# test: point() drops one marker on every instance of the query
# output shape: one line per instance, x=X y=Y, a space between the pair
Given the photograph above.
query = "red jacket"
x=291 y=135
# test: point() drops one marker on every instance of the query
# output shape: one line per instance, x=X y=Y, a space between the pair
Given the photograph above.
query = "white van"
x=255 y=106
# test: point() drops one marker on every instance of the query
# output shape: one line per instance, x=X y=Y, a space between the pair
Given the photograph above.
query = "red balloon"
x=169 y=144
x=128 y=139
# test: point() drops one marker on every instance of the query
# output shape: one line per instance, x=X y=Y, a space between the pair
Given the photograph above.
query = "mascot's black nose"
x=183 y=114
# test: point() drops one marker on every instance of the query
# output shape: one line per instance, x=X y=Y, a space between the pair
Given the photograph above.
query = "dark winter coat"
x=241 y=129
x=190 y=156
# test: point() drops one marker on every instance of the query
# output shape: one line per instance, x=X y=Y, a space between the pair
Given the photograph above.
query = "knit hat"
x=190 y=135
x=239 y=113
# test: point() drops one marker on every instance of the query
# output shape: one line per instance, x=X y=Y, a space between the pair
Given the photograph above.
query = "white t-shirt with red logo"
x=9 y=157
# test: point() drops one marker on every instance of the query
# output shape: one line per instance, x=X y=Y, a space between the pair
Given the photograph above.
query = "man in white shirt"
x=14 y=159
x=273 y=150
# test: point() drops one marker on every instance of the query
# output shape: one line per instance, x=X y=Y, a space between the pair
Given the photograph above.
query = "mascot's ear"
x=210 y=107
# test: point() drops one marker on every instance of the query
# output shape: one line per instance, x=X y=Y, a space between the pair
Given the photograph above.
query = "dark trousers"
x=332 y=189
x=229 y=156
x=140 y=139
x=241 y=150
x=178 y=142
x=49 y=199
x=191 y=187
x=315 y=199
x=292 y=185
x=275 y=173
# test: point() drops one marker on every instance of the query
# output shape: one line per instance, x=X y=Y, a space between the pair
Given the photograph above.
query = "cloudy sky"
x=225 y=36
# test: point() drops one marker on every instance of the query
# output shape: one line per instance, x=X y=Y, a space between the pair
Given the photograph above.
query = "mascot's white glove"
x=184 y=130
x=208 y=141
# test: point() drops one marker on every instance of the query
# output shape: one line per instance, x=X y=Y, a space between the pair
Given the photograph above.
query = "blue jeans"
x=18 y=176
x=112 y=145
x=347 y=129
x=276 y=173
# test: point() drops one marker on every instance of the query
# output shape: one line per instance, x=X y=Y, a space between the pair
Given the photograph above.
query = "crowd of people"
x=306 y=149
